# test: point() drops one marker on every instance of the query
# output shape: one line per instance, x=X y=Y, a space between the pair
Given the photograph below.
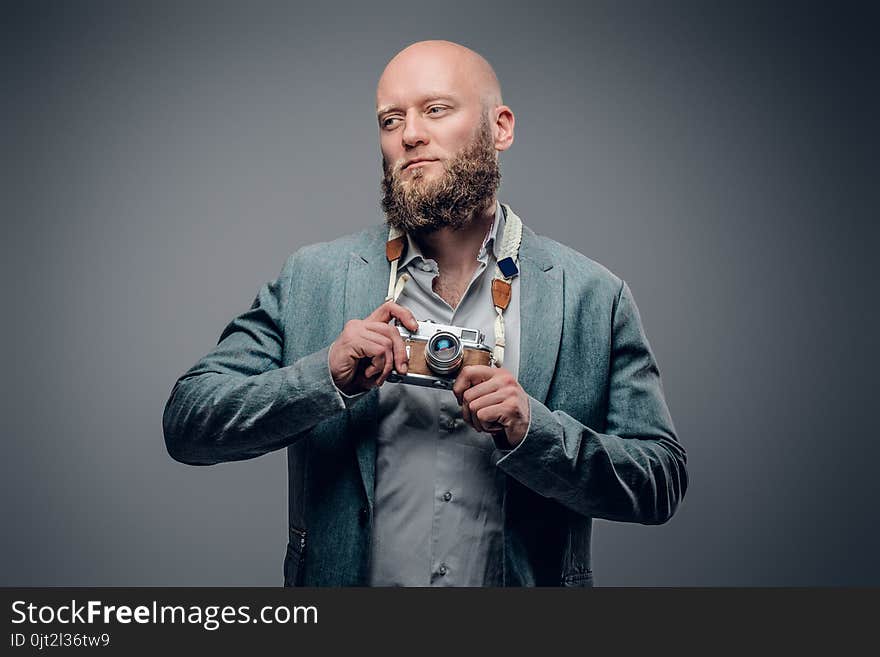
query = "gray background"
x=160 y=161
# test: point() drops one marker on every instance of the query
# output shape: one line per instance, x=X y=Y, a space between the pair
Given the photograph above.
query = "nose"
x=414 y=132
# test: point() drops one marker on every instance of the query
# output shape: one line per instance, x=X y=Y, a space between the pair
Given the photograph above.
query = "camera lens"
x=444 y=353
x=444 y=347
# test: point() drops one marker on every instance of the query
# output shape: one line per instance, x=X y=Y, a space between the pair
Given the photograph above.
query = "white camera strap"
x=393 y=251
x=506 y=268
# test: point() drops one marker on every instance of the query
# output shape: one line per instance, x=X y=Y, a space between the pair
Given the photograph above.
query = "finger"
x=390 y=309
x=387 y=359
x=480 y=389
x=405 y=316
x=466 y=415
x=370 y=373
x=386 y=370
x=491 y=418
x=376 y=365
x=471 y=405
x=367 y=373
x=470 y=375
x=378 y=370
x=381 y=314
x=485 y=402
x=469 y=414
x=397 y=345
x=375 y=347
x=479 y=425
x=366 y=336
x=383 y=361
x=478 y=409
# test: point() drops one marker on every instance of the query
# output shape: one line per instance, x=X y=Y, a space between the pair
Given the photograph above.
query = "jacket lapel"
x=366 y=285
x=541 y=313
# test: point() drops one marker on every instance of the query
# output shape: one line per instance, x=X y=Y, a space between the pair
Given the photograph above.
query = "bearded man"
x=491 y=475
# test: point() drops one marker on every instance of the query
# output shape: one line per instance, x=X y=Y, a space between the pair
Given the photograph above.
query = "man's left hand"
x=492 y=401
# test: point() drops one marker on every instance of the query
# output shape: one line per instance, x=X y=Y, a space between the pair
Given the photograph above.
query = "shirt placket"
x=446 y=564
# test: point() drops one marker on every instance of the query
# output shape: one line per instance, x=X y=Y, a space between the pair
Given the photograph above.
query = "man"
x=496 y=481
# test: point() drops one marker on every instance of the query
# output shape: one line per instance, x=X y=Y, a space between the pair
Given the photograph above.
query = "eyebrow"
x=426 y=98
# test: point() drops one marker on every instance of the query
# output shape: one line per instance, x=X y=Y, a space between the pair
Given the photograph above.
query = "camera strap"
x=506 y=268
x=394 y=249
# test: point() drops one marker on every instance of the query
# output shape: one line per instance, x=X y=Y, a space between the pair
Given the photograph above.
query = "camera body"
x=437 y=352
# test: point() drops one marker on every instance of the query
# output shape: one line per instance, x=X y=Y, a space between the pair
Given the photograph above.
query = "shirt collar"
x=492 y=236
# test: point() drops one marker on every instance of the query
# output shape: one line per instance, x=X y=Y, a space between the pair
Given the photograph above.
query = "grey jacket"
x=601 y=442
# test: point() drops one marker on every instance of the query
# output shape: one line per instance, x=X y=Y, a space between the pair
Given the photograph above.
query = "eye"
x=388 y=122
x=440 y=109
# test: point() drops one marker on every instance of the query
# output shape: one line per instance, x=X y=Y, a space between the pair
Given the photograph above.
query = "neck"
x=456 y=251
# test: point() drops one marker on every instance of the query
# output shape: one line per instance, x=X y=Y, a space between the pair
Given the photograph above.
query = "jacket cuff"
x=503 y=448
x=309 y=379
x=533 y=447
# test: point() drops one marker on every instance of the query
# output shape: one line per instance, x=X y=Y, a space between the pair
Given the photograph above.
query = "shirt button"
x=447 y=496
x=442 y=569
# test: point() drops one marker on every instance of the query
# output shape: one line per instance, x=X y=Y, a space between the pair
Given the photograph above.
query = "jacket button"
x=363 y=515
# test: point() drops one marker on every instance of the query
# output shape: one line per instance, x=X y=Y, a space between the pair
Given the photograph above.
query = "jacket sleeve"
x=635 y=472
x=238 y=402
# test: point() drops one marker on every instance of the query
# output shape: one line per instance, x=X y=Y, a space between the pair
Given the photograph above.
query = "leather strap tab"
x=500 y=293
x=394 y=248
x=508 y=267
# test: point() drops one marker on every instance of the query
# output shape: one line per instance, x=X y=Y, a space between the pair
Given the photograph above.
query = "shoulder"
x=329 y=255
x=581 y=272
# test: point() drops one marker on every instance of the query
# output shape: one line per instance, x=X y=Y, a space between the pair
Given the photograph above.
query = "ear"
x=503 y=127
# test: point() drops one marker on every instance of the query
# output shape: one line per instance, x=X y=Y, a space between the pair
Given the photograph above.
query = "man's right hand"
x=365 y=352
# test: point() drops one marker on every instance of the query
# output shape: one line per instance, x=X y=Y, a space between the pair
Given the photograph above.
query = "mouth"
x=416 y=163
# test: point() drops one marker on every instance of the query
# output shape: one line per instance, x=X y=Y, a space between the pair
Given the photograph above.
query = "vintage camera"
x=437 y=353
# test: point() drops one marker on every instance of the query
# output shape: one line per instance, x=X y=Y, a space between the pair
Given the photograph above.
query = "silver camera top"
x=427 y=328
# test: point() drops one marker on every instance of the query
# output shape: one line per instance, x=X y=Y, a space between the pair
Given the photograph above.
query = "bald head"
x=441 y=126
x=443 y=63
x=437 y=102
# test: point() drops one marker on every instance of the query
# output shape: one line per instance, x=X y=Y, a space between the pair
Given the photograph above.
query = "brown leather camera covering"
x=417 y=364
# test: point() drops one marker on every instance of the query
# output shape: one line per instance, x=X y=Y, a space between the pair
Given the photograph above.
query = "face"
x=428 y=109
x=416 y=202
x=438 y=151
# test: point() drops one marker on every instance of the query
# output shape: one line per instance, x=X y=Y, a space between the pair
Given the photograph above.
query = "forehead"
x=409 y=80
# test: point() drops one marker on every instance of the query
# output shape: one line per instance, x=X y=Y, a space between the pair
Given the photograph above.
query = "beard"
x=468 y=183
